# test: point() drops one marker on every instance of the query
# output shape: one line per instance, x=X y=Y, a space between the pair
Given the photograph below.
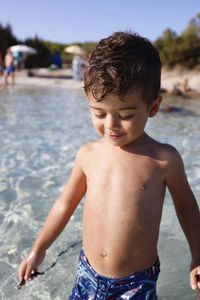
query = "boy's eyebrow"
x=123 y=108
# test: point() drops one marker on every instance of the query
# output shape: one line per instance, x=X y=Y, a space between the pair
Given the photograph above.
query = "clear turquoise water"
x=40 y=132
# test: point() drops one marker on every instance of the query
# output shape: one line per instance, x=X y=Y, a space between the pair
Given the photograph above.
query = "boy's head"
x=121 y=62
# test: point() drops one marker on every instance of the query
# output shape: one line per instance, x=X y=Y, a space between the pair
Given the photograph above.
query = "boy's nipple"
x=103 y=254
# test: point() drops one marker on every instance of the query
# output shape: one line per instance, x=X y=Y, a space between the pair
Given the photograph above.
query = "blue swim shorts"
x=9 y=70
x=91 y=286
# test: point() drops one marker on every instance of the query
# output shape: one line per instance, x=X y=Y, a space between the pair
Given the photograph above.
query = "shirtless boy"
x=9 y=67
x=124 y=176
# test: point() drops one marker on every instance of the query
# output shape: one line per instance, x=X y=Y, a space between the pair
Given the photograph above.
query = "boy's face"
x=121 y=122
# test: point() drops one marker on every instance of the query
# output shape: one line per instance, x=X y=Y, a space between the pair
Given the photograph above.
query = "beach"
x=170 y=79
x=43 y=78
x=176 y=77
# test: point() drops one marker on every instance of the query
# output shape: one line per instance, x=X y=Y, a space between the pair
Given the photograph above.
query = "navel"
x=142 y=187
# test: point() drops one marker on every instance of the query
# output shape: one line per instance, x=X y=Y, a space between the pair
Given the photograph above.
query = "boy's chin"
x=116 y=142
x=123 y=141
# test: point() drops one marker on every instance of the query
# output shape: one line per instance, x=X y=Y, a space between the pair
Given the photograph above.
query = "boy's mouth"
x=114 y=136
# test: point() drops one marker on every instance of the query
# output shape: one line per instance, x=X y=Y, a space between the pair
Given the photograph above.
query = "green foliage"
x=88 y=47
x=43 y=57
x=7 y=38
x=184 y=49
x=174 y=50
x=193 y=28
x=56 y=48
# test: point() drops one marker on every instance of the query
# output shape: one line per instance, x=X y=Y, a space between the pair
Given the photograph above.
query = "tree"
x=7 y=38
x=183 y=49
x=88 y=47
x=166 y=46
x=43 y=57
x=193 y=28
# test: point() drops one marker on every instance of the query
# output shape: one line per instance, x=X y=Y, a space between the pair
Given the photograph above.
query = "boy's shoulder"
x=166 y=152
x=91 y=146
x=87 y=149
x=88 y=153
x=164 y=148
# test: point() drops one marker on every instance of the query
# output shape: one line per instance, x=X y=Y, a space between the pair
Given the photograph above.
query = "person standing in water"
x=9 y=67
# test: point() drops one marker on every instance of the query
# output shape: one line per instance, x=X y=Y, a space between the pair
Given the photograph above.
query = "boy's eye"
x=100 y=116
x=126 y=117
x=103 y=115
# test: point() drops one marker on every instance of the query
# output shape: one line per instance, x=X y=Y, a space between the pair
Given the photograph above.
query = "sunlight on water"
x=41 y=130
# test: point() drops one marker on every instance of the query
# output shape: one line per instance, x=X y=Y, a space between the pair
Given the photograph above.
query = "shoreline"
x=171 y=80
x=44 y=78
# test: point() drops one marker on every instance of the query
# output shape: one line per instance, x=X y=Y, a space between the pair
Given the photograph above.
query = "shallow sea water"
x=40 y=132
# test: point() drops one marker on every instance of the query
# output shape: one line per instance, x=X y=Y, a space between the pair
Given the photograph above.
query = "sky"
x=72 y=21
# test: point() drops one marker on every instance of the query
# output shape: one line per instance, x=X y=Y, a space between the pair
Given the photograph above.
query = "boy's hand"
x=195 y=277
x=30 y=264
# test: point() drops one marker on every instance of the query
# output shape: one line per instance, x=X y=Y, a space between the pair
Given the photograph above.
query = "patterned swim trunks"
x=92 y=286
x=9 y=70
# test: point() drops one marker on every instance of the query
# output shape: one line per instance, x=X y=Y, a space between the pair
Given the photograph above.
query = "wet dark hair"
x=121 y=62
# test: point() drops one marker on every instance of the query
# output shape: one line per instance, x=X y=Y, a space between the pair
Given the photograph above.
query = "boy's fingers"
x=28 y=273
x=35 y=272
x=193 y=281
x=198 y=282
x=22 y=271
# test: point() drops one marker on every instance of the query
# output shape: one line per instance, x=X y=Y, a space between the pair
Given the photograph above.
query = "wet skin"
x=124 y=176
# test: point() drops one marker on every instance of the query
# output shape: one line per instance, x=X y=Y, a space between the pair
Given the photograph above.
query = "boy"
x=9 y=67
x=125 y=175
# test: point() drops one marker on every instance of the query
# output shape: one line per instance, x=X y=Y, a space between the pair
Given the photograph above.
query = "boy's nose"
x=111 y=122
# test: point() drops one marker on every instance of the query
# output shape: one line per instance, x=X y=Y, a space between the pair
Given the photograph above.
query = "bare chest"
x=128 y=191
x=132 y=186
x=128 y=173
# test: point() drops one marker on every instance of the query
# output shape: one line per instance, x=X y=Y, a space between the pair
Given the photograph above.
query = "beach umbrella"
x=74 y=49
x=23 y=49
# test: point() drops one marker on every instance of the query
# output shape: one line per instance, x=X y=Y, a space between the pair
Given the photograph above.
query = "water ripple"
x=41 y=131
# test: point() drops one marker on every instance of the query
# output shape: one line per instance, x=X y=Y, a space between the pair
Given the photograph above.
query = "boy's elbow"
x=187 y=208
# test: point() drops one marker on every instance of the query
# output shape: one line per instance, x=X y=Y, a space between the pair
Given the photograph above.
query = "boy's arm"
x=58 y=217
x=187 y=211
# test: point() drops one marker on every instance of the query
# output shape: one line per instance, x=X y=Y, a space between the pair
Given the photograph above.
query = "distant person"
x=9 y=67
x=124 y=176
x=77 y=67
x=85 y=63
x=17 y=59
x=185 y=85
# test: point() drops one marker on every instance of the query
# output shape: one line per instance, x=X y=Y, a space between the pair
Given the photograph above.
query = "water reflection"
x=41 y=130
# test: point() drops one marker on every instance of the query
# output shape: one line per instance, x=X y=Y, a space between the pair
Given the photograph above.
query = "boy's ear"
x=155 y=106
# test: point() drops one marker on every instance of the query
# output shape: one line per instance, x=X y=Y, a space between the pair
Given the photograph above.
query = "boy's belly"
x=119 y=243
